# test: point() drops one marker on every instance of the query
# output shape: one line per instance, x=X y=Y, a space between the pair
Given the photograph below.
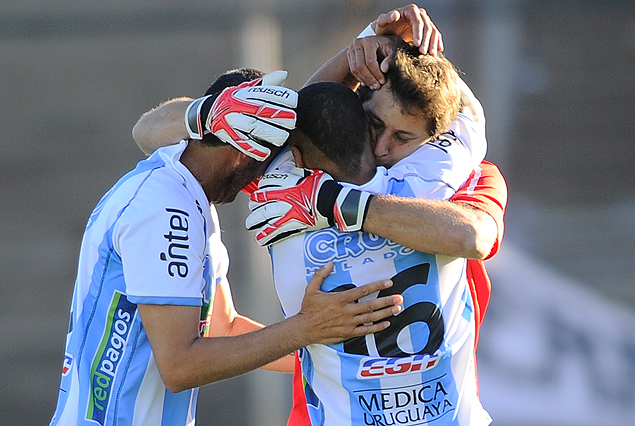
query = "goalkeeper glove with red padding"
x=251 y=187
x=304 y=200
x=245 y=115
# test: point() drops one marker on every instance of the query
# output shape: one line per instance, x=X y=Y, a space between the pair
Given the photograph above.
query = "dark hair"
x=233 y=78
x=423 y=84
x=230 y=78
x=332 y=117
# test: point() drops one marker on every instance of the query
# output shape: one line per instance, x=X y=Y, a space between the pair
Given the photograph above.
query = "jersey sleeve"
x=160 y=238
x=486 y=190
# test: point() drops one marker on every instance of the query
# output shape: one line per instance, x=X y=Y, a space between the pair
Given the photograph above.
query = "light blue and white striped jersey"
x=152 y=239
x=420 y=370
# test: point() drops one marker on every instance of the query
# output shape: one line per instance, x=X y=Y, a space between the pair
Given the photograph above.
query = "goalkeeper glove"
x=304 y=200
x=245 y=115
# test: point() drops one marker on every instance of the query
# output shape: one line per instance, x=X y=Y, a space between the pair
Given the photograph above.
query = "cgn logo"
x=375 y=368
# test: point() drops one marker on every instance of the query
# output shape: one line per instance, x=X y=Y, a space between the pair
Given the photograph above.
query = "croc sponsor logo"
x=323 y=246
x=108 y=356
x=377 y=368
x=408 y=405
x=68 y=364
x=178 y=243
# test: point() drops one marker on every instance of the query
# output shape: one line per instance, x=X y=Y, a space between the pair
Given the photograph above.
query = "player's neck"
x=206 y=164
x=364 y=173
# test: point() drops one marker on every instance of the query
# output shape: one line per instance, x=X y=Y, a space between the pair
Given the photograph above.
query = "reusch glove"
x=304 y=200
x=245 y=115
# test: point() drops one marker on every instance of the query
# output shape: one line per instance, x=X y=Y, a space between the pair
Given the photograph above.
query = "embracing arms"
x=162 y=126
x=186 y=360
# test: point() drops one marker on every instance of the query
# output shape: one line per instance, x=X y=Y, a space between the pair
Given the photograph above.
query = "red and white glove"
x=304 y=200
x=245 y=115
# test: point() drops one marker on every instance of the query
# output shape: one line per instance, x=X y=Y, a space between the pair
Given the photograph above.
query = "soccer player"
x=152 y=266
x=472 y=228
x=475 y=217
x=419 y=370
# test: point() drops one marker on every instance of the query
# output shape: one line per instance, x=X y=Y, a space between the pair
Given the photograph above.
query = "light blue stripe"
x=180 y=301
x=175 y=407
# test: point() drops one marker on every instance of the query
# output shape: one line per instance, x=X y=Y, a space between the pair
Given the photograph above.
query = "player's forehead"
x=382 y=108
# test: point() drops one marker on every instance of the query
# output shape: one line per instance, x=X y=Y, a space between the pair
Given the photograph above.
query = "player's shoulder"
x=488 y=175
x=490 y=169
x=440 y=157
x=163 y=185
x=157 y=185
x=465 y=135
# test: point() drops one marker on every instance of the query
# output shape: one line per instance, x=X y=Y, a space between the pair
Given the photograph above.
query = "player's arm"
x=439 y=227
x=226 y=321
x=470 y=225
x=365 y=60
x=453 y=228
x=162 y=126
x=368 y=57
x=186 y=360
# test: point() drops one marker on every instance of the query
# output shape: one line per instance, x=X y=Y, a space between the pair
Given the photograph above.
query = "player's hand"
x=247 y=114
x=369 y=58
x=303 y=200
x=286 y=204
x=411 y=23
x=334 y=317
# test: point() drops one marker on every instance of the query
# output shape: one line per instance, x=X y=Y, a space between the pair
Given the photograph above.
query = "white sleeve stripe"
x=474 y=181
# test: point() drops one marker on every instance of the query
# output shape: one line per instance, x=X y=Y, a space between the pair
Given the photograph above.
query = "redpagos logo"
x=109 y=355
x=376 y=368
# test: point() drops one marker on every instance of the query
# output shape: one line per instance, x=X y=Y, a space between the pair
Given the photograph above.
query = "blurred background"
x=557 y=83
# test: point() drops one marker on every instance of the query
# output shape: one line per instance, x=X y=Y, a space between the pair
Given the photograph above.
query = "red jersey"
x=485 y=190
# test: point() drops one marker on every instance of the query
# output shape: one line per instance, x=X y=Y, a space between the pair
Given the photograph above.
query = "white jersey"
x=152 y=239
x=420 y=370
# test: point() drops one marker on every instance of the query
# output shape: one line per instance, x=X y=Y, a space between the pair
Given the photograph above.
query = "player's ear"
x=236 y=160
x=297 y=156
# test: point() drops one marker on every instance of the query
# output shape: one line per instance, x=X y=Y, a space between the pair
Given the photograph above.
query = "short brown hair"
x=426 y=85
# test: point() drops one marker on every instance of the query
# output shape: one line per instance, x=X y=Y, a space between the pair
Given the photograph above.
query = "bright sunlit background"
x=556 y=81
